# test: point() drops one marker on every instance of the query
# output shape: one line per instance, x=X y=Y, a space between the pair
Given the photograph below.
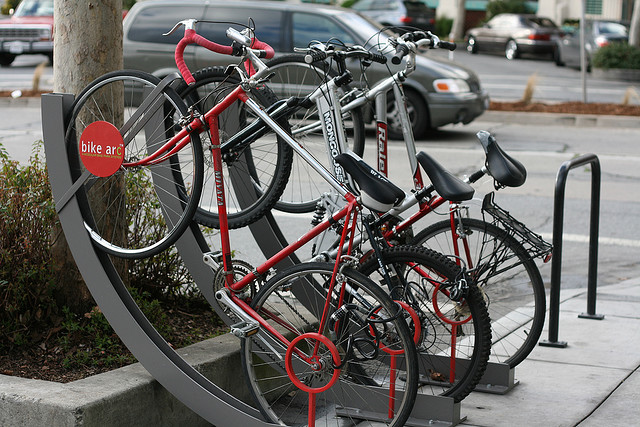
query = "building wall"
x=557 y=10
x=560 y=10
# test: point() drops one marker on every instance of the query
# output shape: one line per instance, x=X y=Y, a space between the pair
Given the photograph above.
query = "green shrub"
x=27 y=217
x=348 y=3
x=617 y=55
x=495 y=7
x=128 y=4
x=28 y=281
x=443 y=27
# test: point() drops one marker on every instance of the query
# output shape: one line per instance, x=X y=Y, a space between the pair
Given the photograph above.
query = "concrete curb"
x=30 y=102
x=125 y=396
x=559 y=119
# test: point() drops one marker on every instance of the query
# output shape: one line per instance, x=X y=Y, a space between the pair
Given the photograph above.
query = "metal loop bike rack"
x=556 y=262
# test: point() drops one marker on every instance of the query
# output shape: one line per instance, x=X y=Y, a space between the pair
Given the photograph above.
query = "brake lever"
x=189 y=24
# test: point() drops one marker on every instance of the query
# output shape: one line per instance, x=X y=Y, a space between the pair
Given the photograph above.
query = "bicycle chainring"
x=240 y=269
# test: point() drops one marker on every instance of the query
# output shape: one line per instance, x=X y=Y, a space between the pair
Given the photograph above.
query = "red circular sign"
x=101 y=148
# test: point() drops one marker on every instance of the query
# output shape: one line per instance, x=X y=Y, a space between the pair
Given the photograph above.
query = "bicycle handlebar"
x=315 y=55
x=409 y=41
x=240 y=44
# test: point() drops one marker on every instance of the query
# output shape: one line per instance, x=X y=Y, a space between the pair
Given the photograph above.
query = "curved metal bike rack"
x=107 y=288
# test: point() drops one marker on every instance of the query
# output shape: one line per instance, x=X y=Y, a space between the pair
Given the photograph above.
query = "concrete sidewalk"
x=594 y=381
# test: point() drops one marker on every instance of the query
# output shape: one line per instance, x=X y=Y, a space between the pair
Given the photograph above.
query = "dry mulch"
x=45 y=360
x=568 y=108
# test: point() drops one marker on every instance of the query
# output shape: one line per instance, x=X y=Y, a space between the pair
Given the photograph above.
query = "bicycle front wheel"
x=455 y=332
x=137 y=211
x=256 y=168
x=508 y=278
x=292 y=76
x=374 y=375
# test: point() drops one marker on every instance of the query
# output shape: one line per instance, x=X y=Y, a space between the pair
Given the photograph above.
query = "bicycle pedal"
x=244 y=329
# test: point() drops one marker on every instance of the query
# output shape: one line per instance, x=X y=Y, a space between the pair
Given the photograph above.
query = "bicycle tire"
x=263 y=165
x=515 y=293
x=148 y=217
x=294 y=77
x=295 y=297
x=417 y=272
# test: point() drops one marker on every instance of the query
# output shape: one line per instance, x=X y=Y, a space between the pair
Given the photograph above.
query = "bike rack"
x=107 y=288
x=556 y=262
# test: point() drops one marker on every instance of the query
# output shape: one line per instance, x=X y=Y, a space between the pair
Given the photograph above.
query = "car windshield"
x=35 y=8
x=612 y=28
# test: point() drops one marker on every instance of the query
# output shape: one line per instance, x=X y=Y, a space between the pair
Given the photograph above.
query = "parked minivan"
x=284 y=25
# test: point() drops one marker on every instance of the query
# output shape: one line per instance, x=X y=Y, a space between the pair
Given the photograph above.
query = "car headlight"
x=451 y=86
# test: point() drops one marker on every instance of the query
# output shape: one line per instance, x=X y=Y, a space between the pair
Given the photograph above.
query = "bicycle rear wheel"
x=508 y=278
x=455 y=339
x=138 y=211
x=369 y=334
x=294 y=77
x=256 y=169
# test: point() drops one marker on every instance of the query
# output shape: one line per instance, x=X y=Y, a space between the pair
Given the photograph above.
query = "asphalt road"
x=505 y=80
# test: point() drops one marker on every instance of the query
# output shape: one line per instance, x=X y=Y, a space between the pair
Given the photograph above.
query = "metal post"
x=556 y=264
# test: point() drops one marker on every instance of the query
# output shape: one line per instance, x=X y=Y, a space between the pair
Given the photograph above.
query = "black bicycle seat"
x=447 y=185
x=505 y=169
x=376 y=191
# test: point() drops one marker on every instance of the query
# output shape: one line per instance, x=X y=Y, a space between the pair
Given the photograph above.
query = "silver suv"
x=284 y=25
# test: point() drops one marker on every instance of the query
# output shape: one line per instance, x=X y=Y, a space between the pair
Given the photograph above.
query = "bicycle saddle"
x=506 y=170
x=447 y=185
x=376 y=191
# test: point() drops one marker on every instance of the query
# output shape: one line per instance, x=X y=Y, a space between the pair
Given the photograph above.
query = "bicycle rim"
x=509 y=279
x=294 y=77
x=256 y=171
x=138 y=211
x=455 y=339
x=292 y=302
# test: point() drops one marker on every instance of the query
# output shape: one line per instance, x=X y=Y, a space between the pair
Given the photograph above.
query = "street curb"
x=560 y=119
x=27 y=101
x=125 y=396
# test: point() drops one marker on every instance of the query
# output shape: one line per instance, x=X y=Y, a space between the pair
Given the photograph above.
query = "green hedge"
x=617 y=55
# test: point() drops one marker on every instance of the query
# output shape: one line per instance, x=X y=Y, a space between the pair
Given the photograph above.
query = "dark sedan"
x=597 y=33
x=515 y=34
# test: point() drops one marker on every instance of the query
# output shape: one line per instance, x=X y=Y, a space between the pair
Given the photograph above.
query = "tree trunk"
x=634 y=29
x=457 y=29
x=87 y=44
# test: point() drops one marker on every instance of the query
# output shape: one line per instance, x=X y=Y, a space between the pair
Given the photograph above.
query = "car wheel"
x=557 y=57
x=6 y=59
x=511 y=50
x=472 y=45
x=418 y=115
